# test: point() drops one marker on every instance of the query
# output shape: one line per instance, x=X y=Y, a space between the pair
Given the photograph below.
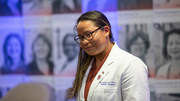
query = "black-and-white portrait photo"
x=70 y=50
x=66 y=6
x=170 y=34
x=40 y=52
x=167 y=60
x=65 y=53
x=13 y=53
x=37 y=7
x=10 y=8
x=138 y=43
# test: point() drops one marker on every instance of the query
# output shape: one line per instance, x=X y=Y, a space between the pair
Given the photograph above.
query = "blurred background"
x=37 y=41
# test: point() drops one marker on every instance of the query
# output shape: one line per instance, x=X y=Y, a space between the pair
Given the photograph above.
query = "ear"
x=106 y=30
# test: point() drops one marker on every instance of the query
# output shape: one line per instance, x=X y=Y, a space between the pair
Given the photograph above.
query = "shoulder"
x=32 y=66
x=127 y=62
x=123 y=57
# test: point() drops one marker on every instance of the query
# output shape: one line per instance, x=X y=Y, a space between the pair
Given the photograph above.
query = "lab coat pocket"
x=109 y=90
x=106 y=93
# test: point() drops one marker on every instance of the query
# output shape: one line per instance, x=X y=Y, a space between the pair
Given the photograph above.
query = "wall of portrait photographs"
x=37 y=41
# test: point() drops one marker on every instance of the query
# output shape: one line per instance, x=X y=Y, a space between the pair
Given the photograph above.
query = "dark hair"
x=99 y=20
x=135 y=36
x=166 y=35
x=8 y=59
x=41 y=36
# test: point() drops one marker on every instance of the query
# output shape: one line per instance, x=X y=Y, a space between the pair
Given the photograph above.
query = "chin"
x=91 y=53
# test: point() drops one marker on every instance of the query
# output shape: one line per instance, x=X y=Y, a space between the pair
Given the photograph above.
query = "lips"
x=88 y=48
x=174 y=51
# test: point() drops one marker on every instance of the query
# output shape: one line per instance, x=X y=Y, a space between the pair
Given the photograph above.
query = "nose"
x=84 y=41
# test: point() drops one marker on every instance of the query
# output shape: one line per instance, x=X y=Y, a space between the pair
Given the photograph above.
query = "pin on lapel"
x=99 y=76
x=102 y=72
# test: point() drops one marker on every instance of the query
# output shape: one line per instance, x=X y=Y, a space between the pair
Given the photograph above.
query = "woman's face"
x=14 y=48
x=98 y=44
x=41 y=49
x=138 y=47
x=173 y=46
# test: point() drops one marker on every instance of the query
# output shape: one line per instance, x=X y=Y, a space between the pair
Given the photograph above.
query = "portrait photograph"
x=66 y=6
x=39 y=51
x=12 y=50
x=69 y=49
x=167 y=60
x=169 y=49
x=137 y=40
x=65 y=48
x=10 y=8
x=37 y=7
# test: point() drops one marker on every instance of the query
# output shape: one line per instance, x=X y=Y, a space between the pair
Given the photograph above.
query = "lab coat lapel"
x=99 y=77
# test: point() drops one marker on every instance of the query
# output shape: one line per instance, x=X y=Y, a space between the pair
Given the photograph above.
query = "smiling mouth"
x=87 y=48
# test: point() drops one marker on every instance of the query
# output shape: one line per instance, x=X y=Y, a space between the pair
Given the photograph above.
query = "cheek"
x=46 y=48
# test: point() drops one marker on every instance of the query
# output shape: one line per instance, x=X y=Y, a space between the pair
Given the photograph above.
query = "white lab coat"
x=122 y=77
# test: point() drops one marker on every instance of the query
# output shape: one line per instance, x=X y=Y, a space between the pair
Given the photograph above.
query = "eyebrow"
x=84 y=33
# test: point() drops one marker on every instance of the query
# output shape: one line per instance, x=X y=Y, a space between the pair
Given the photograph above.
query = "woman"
x=41 y=64
x=138 y=45
x=105 y=72
x=13 y=50
x=171 y=70
x=66 y=6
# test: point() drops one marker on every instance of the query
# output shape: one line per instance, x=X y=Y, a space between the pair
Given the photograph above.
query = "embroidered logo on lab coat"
x=107 y=83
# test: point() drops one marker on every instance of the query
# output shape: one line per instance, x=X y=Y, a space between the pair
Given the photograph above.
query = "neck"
x=41 y=61
x=16 y=60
